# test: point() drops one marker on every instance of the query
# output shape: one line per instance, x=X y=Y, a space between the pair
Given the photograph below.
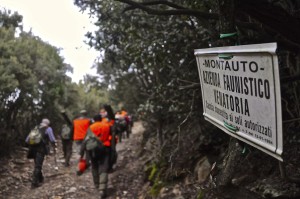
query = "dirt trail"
x=124 y=183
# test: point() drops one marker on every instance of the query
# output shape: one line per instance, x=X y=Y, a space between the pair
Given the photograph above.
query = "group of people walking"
x=94 y=140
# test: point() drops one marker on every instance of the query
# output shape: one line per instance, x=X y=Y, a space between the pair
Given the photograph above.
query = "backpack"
x=122 y=124
x=66 y=132
x=93 y=143
x=35 y=136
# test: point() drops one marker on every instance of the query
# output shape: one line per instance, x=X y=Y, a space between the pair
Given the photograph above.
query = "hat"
x=97 y=117
x=83 y=112
x=45 y=122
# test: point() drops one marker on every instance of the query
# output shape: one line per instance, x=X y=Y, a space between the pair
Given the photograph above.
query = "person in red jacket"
x=100 y=157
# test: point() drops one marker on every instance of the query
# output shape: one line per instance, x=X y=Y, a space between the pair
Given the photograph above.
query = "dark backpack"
x=121 y=125
x=66 y=132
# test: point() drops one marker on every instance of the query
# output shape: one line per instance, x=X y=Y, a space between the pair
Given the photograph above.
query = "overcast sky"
x=60 y=23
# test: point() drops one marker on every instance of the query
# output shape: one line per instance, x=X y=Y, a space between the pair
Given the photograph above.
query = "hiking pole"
x=55 y=162
x=65 y=116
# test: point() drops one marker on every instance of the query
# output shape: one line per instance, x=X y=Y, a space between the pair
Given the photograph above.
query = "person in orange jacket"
x=124 y=112
x=124 y=122
x=108 y=116
x=99 y=157
x=103 y=114
x=79 y=127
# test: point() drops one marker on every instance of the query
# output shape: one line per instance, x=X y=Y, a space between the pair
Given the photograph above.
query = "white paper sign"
x=241 y=93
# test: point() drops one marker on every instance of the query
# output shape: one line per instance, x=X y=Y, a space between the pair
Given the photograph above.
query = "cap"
x=45 y=122
x=83 y=112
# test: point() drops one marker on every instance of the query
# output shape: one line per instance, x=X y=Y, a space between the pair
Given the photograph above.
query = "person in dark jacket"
x=67 y=143
x=67 y=133
x=39 y=151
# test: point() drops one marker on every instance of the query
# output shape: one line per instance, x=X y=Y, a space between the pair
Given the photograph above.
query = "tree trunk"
x=234 y=154
x=160 y=122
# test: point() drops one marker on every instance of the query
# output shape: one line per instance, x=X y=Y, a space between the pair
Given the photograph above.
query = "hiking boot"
x=111 y=170
x=41 y=180
x=67 y=164
x=33 y=185
x=101 y=194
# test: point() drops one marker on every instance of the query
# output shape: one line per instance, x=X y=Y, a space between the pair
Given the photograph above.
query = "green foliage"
x=32 y=75
x=154 y=178
x=148 y=60
x=30 y=80
x=126 y=91
x=10 y=20
x=153 y=172
x=200 y=194
x=156 y=187
x=145 y=57
x=92 y=97
x=34 y=84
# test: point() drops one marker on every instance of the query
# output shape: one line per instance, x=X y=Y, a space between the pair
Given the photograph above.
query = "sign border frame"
x=253 y=48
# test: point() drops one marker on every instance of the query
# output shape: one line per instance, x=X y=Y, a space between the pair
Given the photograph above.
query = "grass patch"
x=154 y=177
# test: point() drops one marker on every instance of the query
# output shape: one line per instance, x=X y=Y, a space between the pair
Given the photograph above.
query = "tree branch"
x=159 y=2
x=273 y=17
x=191 y=86
x=180 y=10
x=290 y=78
x=266 y=30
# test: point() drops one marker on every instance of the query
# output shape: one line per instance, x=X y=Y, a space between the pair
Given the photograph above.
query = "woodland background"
x=148 y=66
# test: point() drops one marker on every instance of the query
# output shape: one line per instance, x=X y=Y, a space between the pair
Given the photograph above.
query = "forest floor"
x=126 y=182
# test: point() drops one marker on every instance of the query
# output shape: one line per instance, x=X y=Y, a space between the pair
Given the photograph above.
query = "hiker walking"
x=99 y=154
x=67 y=142
x=120 y=126
x=108 y=116
x=66 y=135
x=103 y=114
x=38 y=140
x=80 y=126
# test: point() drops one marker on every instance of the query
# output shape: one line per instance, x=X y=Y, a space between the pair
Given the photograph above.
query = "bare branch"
x=291 y=120
x=186 y=81
x=179 y=11
x=179 y=130
x=191 y=86
x=150 y=3
x=291 y=78
x=273 y=17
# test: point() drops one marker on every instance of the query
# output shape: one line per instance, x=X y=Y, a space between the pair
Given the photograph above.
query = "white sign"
x=241 y=93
